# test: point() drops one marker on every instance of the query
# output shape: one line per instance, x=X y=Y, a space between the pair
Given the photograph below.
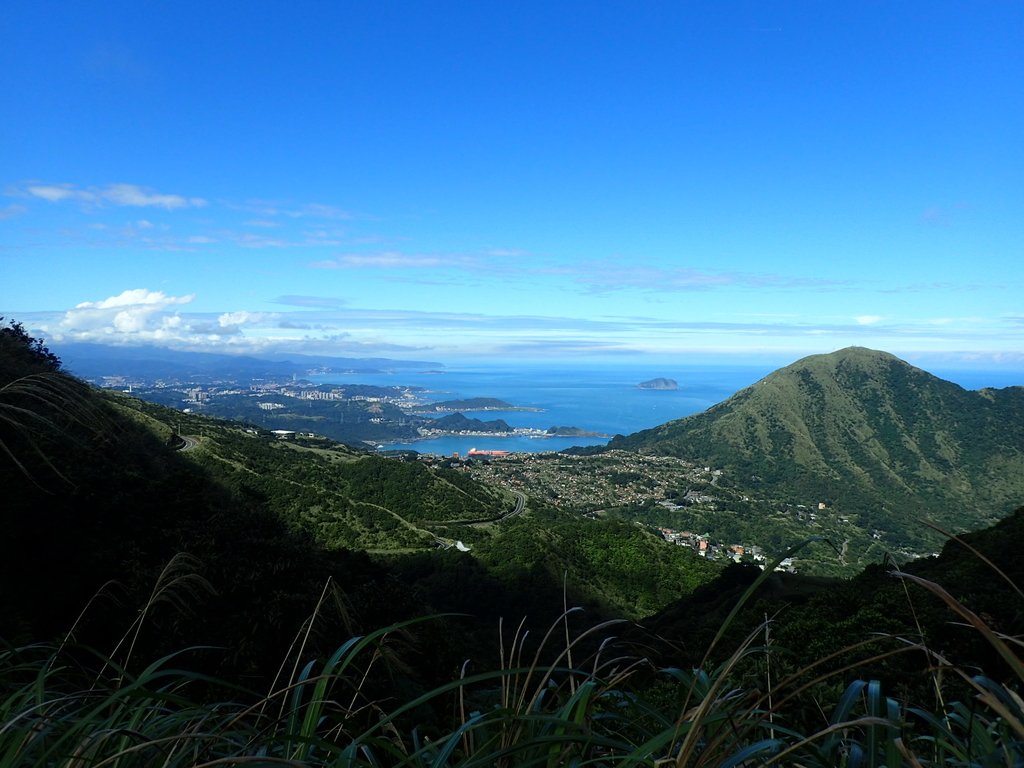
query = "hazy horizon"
x=605 y=183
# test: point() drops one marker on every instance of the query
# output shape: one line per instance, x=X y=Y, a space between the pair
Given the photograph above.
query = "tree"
x=36 y=398
x=22 y=354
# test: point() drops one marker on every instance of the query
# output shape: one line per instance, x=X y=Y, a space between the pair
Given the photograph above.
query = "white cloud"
x=386 y=260
x=129 y=194
x=113 y=194
x=249 y=240
x=53 y=193
x=493 y=262
x=270 y=209
x=609 y=276
x=318 y=302
x=136 y=297
x=235 y=319
x=131 y=320
x=318 y=210
x=11 y=211
x=141 y=316
x=868 y=319
x=130 y=312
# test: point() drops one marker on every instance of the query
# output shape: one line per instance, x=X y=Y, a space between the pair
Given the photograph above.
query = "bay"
x=598 y=399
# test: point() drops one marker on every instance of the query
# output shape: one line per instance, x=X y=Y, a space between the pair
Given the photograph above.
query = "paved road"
x=190 y=442
x=520 y=506
x=517 y=510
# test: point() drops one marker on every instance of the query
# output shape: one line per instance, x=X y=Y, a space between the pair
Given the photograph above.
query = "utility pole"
x=768 y=672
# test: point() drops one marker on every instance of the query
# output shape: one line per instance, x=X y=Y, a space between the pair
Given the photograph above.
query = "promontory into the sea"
x=659 y=383
x=475 y=404
x=572 y=432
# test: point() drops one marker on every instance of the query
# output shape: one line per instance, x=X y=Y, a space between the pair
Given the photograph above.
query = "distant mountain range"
x=95 y=361
x=867 y=431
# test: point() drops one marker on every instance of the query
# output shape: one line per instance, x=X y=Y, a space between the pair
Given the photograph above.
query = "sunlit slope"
x=341 y=496
x=865 y=430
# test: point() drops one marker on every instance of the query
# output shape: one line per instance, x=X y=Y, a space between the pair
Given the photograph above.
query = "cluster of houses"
x=704 y=547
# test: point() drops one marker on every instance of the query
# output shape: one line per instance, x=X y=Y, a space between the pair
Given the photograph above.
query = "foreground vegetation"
x=65 y=705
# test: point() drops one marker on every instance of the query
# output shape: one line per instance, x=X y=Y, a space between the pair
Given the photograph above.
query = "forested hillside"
x=868 y=435
x=101 y=487
x=882 y=614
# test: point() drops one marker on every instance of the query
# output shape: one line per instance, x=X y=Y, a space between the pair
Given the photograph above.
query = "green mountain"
x=866 y=434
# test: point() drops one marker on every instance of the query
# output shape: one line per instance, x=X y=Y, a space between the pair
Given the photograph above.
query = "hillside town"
x=594 y=485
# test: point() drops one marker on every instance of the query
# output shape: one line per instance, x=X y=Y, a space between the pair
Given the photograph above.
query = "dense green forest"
x=183 y=591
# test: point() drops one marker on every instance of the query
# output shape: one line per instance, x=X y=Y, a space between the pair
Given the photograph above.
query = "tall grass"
x=37 y=405
x=572 y=700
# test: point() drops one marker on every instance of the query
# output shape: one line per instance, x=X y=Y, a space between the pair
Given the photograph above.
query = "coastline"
x=527 y=432
x=424 y=411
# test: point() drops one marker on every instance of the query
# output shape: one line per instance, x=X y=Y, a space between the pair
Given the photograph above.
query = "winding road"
x=188 y=442
x=520 y=506
x=518 y=509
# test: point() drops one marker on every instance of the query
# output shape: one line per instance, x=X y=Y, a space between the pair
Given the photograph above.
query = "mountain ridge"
x=95 y=361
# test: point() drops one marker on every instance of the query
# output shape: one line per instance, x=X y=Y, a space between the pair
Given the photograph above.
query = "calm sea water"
x=598 y=399
x=605 y=400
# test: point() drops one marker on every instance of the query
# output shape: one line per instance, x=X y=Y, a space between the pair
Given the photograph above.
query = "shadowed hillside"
x=101 y=489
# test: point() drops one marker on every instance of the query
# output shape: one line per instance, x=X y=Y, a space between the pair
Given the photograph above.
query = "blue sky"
x=493 y=180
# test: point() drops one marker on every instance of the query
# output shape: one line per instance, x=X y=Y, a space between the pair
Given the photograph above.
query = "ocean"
x=598 y=399
x=602 y=399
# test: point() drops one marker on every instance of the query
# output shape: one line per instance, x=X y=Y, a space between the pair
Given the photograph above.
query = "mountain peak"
x=851 y=370
x=859 y=356
x=856 y=351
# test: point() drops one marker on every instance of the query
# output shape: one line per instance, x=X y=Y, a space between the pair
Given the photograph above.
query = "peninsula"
x=473 y=404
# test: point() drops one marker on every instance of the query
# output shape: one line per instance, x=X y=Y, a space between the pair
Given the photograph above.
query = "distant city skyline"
x=493 y=181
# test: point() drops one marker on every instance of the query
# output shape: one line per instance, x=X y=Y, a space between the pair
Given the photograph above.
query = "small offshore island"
x=659 y=383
